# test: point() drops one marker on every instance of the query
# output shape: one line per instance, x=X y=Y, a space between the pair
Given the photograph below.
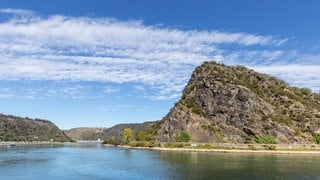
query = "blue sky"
x=98 y=63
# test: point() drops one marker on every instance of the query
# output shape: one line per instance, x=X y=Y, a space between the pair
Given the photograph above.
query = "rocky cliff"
x=238 y=105
x=14 y=128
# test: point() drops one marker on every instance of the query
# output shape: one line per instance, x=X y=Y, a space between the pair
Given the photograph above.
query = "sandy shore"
x=291 y=151
x=239 y=151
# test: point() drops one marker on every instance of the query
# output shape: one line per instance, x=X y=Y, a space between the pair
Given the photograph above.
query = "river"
x=96 y=161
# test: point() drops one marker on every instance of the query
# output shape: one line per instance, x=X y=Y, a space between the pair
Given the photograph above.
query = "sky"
x=99 y=63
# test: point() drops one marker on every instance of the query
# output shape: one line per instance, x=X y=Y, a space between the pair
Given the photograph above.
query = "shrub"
x=206 y=146
x=305 y=91
x=251 y=147
x=176 y=145
x=317 y=138
x=139 y=144
x=269 y=147
x=183 y=137
x=265 y=140
x=114 y=142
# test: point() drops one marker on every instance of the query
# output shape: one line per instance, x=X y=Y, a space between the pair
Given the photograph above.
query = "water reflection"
x=242 y=166
x=95 y=161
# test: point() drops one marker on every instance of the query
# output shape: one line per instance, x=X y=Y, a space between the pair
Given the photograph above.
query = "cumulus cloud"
x=57 y=47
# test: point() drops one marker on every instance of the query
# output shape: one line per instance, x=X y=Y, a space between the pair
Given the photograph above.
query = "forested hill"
x=13 y=128
x=115 y=132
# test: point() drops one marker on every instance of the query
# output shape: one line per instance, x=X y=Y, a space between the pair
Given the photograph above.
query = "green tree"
x=140 y=136
x=127 y=135
x=183 y=137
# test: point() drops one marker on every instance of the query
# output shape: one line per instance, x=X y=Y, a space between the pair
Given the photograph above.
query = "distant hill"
x=86 y=133
x=237 y=105
x=13 y=128
x=115 y=132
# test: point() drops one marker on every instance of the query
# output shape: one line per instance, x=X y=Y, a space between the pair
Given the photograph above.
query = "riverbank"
x=239 y=148
x=16 y=143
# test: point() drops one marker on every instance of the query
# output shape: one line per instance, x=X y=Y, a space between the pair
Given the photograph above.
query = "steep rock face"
x=236 y=104
x=14 y=128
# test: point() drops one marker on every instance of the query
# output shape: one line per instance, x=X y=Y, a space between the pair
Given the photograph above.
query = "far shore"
x=11 y=143
x=215 y=148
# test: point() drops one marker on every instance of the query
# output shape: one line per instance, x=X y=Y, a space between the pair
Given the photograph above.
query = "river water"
x=96 y=161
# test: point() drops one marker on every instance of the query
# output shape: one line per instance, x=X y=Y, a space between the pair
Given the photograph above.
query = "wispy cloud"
x=20 y=12
x=110 y=90
x=6 y=93
x=57 y=47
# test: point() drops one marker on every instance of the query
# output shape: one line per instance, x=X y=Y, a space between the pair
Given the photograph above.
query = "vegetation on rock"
x=237 y=105
x=183 y=137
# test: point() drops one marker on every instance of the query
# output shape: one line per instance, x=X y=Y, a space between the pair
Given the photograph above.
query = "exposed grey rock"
x=235 y=104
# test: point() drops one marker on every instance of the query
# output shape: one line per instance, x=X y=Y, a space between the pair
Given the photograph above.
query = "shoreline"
x=15 y=143
x=223 y=150
x=239 y=148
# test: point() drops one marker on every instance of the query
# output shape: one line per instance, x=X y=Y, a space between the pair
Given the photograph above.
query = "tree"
x=127 y=135
x=183 y=137
x=140 y=136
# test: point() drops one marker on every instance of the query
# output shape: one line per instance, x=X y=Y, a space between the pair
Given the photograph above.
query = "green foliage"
x=269 y=147
x=251 y=147
x=150 y=133
x=112 y=141
x=14 y=128
x=265 y=140
x=317 y=138
x=140 y=136
x=183 y=137
x=127 y=135
x=141 y=144
x=176 y=145
x=206 y=146
x=305 y=91
x=190 y=102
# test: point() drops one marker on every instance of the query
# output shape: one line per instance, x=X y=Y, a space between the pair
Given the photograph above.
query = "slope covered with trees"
x=13 y=128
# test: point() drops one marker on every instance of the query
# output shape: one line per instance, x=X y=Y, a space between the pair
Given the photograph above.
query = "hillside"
x=238 y=105
x=14 y=128
x=114 y=132
x=85 y=133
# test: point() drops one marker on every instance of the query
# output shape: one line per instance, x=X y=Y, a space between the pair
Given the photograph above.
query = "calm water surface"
x=95 y=161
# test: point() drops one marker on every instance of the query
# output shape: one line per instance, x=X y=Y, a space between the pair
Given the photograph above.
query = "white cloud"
x=6 y=93
x=110 y=90
x=61 y=48
x=21 y=12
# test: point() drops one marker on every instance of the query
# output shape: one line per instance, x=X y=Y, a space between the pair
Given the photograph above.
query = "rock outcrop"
x=224 y=104
x=13 y=128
